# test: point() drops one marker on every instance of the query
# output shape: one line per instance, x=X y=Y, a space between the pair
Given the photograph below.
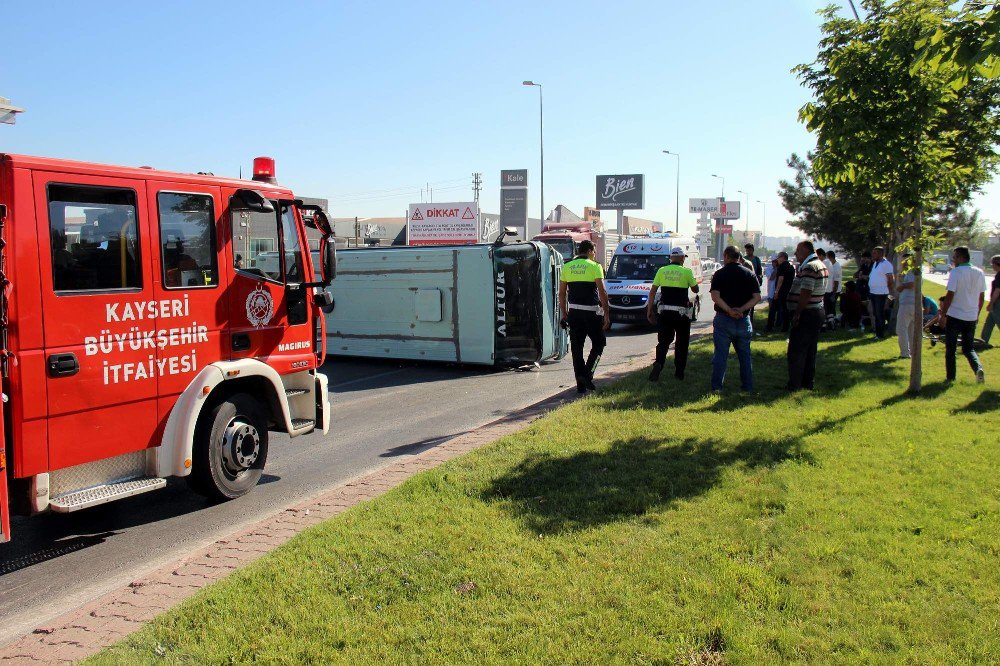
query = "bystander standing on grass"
x=806 y=311
x=836 y=270
x=960 y=312
x=880 y=286
x=735 y=290
x=992 y=314
x=904 y=310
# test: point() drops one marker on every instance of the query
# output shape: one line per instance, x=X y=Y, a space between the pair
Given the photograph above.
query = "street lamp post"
x=763 y=220
x=677 y=194
x=722 y=178
x=541 y=146
x=746 y=197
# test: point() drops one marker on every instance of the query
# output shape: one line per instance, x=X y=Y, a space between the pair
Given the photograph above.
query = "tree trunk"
x=917 y=337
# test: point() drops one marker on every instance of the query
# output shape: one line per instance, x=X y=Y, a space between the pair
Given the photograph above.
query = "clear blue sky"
x=365 y=102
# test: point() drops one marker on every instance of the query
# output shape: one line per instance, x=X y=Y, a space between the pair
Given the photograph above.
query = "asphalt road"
x=942 y=279
x=57 y=562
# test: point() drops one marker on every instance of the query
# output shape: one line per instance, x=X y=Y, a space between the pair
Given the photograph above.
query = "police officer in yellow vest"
x=583 y=302
x=672 y=315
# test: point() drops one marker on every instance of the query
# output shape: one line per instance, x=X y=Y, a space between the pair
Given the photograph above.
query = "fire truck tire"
x=230 y=448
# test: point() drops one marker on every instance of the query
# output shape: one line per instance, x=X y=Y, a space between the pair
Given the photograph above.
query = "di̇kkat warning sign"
x=455 y=223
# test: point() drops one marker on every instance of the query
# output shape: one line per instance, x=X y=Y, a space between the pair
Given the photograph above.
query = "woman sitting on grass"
x=851 y=305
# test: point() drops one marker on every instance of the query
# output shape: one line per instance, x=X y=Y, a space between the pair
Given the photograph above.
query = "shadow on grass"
x=555 y=494
x=988 y=401
x=558 y=493
x=836 y=372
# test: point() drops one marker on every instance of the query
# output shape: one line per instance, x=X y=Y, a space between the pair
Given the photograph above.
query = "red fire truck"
x=153 y=324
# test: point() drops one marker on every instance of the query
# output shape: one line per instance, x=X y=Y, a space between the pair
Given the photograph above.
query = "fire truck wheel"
x=230 y=448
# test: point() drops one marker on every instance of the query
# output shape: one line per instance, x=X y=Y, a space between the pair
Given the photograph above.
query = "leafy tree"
x=960 y=226
x=839 y=212
x=898 y=133
x=847 y=215
x=968 y=43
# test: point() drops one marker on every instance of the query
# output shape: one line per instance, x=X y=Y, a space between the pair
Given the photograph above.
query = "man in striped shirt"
x=805 y=310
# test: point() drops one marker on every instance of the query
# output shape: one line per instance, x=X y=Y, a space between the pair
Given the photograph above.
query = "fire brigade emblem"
x=260 y=307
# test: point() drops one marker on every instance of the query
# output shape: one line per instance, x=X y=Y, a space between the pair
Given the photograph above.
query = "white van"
x=633 y=267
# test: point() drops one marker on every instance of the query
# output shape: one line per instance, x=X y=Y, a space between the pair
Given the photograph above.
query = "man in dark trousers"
x=753 y=262
x=735 y=291
x=583 y=302
x=673 y=280
x=777 y=314
x=805 y=310
x=880 y=284
x=960 y=310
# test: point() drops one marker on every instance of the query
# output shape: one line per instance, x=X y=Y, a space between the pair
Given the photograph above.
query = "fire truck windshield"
x=563 y=246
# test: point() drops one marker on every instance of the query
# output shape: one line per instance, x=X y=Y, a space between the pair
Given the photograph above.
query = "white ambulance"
x=633 y=267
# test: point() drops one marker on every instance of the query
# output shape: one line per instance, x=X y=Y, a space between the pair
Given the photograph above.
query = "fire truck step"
x=81 y=499
x=299 y=424
x=291 y=393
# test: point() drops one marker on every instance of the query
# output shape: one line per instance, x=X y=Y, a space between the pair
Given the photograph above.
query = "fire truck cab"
x=153 y=324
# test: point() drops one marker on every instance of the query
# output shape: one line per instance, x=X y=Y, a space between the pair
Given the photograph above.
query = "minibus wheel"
x=230 y=448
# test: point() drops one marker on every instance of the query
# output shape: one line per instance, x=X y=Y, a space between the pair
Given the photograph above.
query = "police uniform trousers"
x=673 y=325
x=584 y=324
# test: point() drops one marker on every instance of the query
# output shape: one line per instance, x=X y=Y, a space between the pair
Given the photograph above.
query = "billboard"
x=514 y=200
x=454 y=223
x=636 y=226
x=728 y=210
x=704 y=205
x=514 y=178
x=620 y=192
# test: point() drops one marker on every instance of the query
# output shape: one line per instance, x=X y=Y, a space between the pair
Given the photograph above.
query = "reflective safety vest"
x=674 y=280
x=581 y=275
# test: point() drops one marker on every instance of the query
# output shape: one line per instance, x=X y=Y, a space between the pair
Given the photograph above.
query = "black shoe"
x=679 y=374
x=590 y=385
x=654 y=374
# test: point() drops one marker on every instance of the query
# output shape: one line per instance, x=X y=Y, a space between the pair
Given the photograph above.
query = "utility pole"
x=746 y=196
x=677 y=194
x=763 y=221
x=477 y=185
x=541 y=145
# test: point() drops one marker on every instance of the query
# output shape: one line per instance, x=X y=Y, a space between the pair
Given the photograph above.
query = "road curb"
x=112 y=617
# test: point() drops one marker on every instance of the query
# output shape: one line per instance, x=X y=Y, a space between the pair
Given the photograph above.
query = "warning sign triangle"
x=417 y=215
x=467 y=215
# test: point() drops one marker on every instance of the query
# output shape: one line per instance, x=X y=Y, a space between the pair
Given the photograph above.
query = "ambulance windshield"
x=636 y=266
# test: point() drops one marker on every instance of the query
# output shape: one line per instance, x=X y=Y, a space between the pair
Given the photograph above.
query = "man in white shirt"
x=880 y=285
x=824 y=256
x=960 y=311
x=836 y=273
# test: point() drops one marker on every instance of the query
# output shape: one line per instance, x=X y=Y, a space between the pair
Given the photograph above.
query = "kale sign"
x=620 y=192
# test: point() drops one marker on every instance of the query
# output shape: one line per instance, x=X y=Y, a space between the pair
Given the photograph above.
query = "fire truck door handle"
x=241 y=342
x=63 y=365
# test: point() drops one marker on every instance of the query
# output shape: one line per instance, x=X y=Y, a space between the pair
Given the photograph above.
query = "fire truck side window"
x=187 y=240
x=294 y=267
x=255 y=243
x=95 y=239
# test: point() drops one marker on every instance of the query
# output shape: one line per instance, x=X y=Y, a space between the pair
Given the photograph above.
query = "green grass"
x=656 y=524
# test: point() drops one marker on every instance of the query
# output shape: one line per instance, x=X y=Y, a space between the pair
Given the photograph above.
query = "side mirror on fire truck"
x=329 y=260
x=255 y=201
